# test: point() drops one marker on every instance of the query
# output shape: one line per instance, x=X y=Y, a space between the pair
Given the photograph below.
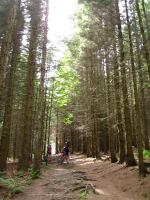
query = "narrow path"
x=56 y=183
x=100 y=180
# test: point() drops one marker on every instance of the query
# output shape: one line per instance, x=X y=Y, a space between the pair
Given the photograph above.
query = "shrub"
x=146 y=153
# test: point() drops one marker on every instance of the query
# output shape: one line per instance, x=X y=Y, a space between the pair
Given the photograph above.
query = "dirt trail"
x=54 y=184
x=100 y=180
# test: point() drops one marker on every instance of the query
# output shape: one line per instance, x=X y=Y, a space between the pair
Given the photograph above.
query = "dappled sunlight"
x=83 y=160
x=87 y=163
x=59 y=169
x=100 y=191
x=77 y=156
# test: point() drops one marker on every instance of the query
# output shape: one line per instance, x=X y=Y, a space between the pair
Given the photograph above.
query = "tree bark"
x=5 y=47
x=146 y=23
x=110 y=117
x=118 y=107
x=26 y=157
x=130 y=160
x=136 y=97
x=142 y=94
x=41 y=100
x=6 y=129
x=145 y=41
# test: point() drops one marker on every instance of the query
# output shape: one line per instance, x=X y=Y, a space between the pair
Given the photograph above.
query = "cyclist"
x=66 y=152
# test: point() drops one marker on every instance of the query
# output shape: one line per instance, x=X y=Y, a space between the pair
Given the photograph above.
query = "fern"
x=17 y=190
x=2 y=174
x=8 y=183
x=34 y=173
x=11 y=184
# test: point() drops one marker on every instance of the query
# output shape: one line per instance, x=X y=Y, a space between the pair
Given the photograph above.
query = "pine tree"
x=26 y=157
x=5 y=46
x=6 y=129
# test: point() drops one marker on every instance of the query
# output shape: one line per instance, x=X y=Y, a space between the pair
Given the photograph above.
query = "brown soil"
x=100 y=179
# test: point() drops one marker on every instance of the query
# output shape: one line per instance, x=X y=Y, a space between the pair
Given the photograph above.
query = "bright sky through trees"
x=61 y=14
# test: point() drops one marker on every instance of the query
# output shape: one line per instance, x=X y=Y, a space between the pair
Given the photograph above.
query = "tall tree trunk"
x=57 y=133
x=145 y=41
x=25 y=159
x=130 y=160
x=146 y=22
x=142 y=95
x=6 y=129
x=136 y=98
x=50 y=111
x=6 y=44
x=118 y=107
x=41 y=103
x=93 y=95
x=110 y=117
x=45 y=122
x=116 y=79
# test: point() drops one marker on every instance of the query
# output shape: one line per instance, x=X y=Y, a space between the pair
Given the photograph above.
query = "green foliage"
x=146 y=85
x=68 y=118
x=34 y=173
x=83 y=195
x=12 y=184
x=65 y=83
x=2 y=173
x=17 y=190
x=105 y=2
x=64 y=86
x=146 y=153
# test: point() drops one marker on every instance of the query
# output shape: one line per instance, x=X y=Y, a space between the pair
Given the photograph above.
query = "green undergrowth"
x=18 y=180
x=12 y=185
x=83 y=195
x=34 y=173
x=16 y=183
x=146 y=154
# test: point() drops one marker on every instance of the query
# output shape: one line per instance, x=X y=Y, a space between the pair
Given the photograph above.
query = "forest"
x=96 y=96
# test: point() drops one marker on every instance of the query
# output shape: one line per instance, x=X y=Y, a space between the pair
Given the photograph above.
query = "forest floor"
x=86 y=178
